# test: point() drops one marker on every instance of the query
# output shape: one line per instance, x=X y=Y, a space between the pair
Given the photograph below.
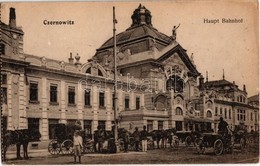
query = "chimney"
x=201 y=82
x=244 y=87
x=12 y=18
x=71 y=59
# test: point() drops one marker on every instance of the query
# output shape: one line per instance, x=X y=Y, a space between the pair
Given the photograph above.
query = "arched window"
x=88 y=70
x=178 y=111
x=209 y=114
x=161 y=102
x=175 y=83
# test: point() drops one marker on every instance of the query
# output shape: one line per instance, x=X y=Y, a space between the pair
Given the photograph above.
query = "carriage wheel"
x=199 y=145
x=188 y=141
x=121 y=145
x=54 y=147
x=218 y=147
x=67 y=147
x=88 y=147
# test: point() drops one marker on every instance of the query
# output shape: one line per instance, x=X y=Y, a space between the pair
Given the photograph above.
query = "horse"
x=18 y=138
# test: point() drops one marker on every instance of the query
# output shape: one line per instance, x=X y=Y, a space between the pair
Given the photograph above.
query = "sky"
x=229 y=46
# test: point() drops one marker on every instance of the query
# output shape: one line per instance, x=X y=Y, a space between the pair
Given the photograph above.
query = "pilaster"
x=63 y=102
x=9 y=102
x=95 y=108
x=44 y=120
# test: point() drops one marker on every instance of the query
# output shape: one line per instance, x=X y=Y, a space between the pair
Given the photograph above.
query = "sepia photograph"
x=129 y=82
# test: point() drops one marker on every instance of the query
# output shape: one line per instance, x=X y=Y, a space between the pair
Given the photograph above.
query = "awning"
x=198 y=119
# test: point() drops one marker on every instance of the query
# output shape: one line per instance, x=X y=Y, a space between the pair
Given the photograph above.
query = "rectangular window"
x=113 y=100
x=160 y=125
x=87 y=126
x=101 y=99
x=33 y=91
x=137 y=103
x=4 y=95
x=33 y=124
x=149 y=125
x=238 y=114
x=229 y=113
x=216 y=111
x=127 y=102
x=220 y=111
x=87 y=97
x=3 y=79
x=102 y=124
x=53 y=94
x=4 y=123
x=2 y=49
x=71 y=95
x=52 y=123
x=251 y=116
x=225 y=113
x=179 y=125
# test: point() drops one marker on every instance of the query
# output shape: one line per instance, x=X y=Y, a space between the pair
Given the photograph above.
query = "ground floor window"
x=4 y=123
x=87 y=126
x=52 y=123
x=149 y=125
x=179 y=125
x=34 y=124
x=160 y=125
x=102 y=124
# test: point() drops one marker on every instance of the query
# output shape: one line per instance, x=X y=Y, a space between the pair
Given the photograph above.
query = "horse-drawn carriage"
x=187 y=137
x=63 y=142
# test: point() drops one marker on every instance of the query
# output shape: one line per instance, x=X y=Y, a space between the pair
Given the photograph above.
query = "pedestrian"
x=77 y=145
x=170 y=135
x=125 y=140
x=144 y=139
x=136 y=136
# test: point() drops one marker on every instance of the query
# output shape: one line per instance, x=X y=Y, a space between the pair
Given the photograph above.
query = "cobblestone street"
x=180 y=155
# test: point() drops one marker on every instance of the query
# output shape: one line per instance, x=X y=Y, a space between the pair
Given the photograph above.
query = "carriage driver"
x=77 y=145
x=223 y=127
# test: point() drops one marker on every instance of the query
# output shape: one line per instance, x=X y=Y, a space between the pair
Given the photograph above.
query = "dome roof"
x=141 y=27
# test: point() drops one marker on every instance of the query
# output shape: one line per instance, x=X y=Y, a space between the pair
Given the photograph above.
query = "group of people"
x=139 y=136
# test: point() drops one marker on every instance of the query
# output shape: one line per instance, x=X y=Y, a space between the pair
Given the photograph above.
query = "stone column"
x=21 y=96
x=142 y=101
x=165 y=124
x=183 y=126
x=108 y=97
x=44 y=103
x=9 y=102
x=172 y=111
x=80 y=104
x=155 y=125
x=63 y=91
x=132 y=100
x=95 y=108
x=120 y=100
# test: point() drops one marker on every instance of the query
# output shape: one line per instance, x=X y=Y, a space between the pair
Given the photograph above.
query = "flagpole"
x=115 y=76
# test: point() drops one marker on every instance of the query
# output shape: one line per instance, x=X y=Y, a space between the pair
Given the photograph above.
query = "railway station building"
x=158 y=86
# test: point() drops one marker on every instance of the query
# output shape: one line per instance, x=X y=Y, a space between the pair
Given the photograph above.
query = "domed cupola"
x=141 y=15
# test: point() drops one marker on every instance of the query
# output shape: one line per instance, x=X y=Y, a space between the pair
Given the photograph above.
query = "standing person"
x=136 y=135
x=144 y=139
x=77 y=143
x=126 y=140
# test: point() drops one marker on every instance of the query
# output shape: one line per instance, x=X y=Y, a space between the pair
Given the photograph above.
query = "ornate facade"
x=158 y=86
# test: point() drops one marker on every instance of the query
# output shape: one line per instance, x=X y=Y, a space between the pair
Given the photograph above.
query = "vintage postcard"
x=133 y=82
